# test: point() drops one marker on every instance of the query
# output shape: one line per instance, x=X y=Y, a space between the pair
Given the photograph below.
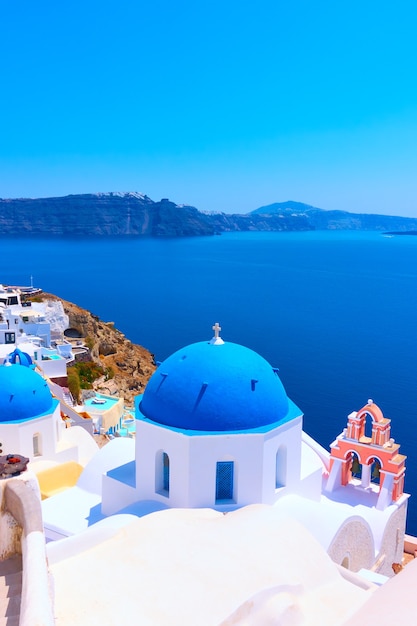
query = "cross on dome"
x=217 y=340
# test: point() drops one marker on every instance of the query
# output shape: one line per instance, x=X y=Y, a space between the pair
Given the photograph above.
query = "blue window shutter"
x=224 y=480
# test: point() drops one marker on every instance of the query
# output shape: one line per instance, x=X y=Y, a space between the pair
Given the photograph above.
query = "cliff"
x=101 y=214
x=134 y=214
x=132 y=364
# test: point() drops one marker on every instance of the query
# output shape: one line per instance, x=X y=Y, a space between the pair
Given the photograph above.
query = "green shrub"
x=88 y=372
x=74 y=383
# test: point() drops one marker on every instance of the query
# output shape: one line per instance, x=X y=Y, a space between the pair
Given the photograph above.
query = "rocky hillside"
x=101 y=214
x=230 y=222
x=134 y=214
x=319 y=219
x=132 y=364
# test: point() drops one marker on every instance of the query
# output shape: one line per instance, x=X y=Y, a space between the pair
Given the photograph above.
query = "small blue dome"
x=17 y=356
x=215 y=387
x=24 y=394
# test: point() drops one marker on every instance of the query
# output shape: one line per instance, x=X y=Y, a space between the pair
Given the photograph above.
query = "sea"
x=334 y=311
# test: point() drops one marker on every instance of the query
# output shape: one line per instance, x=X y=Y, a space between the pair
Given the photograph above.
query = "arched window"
x=369 y=420
x=281 y=467
x=37 y=444
x=162 y=473
x=165 y=472
x=224 y=481
x=375 y=471
x=356 y=467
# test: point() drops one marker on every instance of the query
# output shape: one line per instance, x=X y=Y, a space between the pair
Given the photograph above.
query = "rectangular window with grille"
x=224 y=480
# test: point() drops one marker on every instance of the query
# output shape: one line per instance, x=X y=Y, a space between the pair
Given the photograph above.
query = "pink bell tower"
x=359 y=459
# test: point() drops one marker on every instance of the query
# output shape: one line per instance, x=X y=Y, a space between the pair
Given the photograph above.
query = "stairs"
x=10 y=591
x=68 y=398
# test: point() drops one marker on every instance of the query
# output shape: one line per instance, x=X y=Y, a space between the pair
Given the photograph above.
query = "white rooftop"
x=198 y=566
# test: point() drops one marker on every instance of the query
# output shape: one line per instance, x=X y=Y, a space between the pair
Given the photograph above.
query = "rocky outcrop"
x=127 y=214
x=224 y=222
x=56 y=316
x=133 y=214
x=101 y=214
x=131 y=364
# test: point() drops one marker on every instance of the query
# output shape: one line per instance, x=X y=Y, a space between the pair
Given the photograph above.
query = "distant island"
x=135 y=214
x=405 y=232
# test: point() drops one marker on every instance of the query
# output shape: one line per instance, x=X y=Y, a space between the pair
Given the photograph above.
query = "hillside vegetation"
x=125 y=367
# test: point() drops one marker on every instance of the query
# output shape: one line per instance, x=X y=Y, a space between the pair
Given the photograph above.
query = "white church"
x=216 y=430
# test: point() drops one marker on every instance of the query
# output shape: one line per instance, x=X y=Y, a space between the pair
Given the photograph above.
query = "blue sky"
x=223 y=105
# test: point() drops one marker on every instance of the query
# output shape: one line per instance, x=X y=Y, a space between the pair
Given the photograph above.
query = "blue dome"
x=17 y=356
x=215 y=387
x=24 y=394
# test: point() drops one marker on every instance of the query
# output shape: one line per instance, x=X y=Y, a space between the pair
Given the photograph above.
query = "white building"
x=22 y=321
x=30 y=417
x=215 y=429
x=35 y=329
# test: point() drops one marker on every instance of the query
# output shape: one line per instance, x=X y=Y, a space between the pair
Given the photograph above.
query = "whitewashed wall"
x=193 y=459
